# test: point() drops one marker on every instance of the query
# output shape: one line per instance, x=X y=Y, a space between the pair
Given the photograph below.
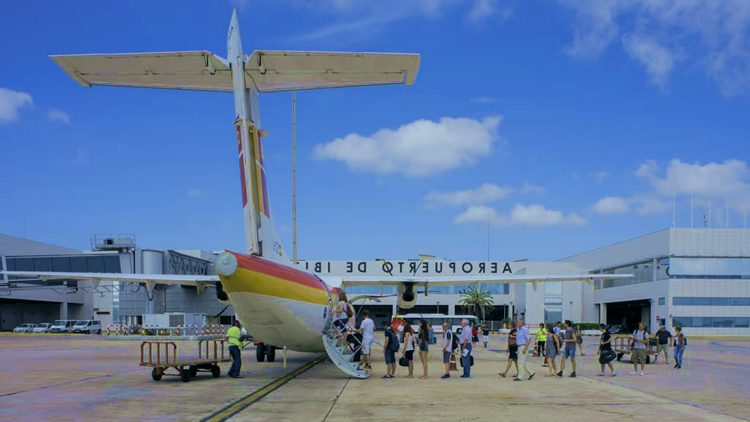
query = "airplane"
x=280 y=304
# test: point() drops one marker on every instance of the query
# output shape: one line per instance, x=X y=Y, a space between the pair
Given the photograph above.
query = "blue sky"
x=567 y=125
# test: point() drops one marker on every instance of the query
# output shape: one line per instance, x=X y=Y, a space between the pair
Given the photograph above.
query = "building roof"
x=16 y=246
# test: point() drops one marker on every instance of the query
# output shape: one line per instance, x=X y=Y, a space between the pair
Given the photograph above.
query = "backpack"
x=393 y=343
x=453 y=340
x=349 y=310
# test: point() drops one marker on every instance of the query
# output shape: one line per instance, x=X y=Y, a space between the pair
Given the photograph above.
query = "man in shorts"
x=390 y=354
x=569 y=351
x=664 y=343
x=447 y=347
x=367 y=328
x=485 y=335
x=640 y=340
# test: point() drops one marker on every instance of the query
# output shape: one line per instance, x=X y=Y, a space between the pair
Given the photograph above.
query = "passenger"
x=367 y=328
x=408 y=352
x=579 y=340
x=606 y=355
x=485 y=335
x=640 y=340
x=550 y=351
x=524 y=341
x=569 y=338
x=474 y=336
x=233 y=337
x=424 y=348
x=447 y=348
x=512 y=351
x=541 y=340
x=342 y=312
x=558 y=329
x=465 y=342
x=664 y=343
x=390 y=347
x=680 y=342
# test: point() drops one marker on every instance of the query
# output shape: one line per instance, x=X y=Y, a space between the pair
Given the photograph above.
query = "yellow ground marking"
x=244 y=402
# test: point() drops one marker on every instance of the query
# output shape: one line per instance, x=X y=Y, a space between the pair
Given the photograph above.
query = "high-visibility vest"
x=234 y=337
x=541 y=335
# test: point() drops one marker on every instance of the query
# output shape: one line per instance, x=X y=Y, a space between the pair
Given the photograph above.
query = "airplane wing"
x=346 y=281
x=277 y=71
x=186 y=70
x=199 y=281
x=267 y=71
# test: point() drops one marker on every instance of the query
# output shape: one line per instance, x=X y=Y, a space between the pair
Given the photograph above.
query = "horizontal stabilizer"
x=185 y=280
x=186 y=70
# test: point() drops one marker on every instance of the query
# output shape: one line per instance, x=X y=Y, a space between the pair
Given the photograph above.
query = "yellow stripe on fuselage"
x=245 y=280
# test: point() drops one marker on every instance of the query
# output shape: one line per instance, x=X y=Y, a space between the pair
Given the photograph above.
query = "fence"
x=153 y=330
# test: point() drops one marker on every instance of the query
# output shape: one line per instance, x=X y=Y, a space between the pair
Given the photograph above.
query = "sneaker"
x=532 y=376
x=516 y=379
x=387 y=377
x=545 y=365
x=445 y=376
x=238 y=376
x=572 y=375
x=676 y=365
x=633 y=373
x=560 y=374
x=640 y=373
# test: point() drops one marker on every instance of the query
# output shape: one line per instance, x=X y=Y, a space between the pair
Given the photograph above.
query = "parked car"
x=88 y=326
x=25 y=328
x=62 y=326
x=42 y=328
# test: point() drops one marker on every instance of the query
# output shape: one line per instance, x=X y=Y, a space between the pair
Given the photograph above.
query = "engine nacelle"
x=222 y=295
x=407 y=295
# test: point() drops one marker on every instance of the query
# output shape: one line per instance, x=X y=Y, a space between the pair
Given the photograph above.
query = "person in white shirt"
x=447 y=347
x=640 y=342
x=465 y=340
x=524 y=340
x=367 y=328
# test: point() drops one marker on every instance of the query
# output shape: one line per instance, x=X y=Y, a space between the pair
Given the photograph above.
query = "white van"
x=88 y=326
x=62 y=326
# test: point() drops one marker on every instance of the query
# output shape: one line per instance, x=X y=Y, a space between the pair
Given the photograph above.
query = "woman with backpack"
x=606 y=354
x=579 y=340
x=551 y=348
x=342 y=312
x=512 y=350
x=424 y=348
x=408 y=352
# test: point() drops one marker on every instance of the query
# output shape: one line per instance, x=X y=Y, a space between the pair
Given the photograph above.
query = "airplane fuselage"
x=278 y=304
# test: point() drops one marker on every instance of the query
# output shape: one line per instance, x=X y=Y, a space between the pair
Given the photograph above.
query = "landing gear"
x=265 y=352
x=260 y=352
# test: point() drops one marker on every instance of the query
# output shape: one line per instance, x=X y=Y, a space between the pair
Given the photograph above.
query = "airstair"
x=343 y=357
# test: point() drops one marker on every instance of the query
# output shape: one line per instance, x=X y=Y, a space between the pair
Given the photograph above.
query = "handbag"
x=511 y=342
x=607 y=356
x=403 y=361
x=471 y=361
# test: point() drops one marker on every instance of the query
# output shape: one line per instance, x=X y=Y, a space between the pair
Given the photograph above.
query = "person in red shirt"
x=474 y=337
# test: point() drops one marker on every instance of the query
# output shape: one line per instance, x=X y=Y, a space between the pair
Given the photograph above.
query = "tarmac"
x=89 y=378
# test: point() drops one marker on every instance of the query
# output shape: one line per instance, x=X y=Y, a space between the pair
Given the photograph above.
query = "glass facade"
x=711 y=301
x=711 y=322
x=553 y=301
x=643 y=272
x=717 y=268
x=76 y=264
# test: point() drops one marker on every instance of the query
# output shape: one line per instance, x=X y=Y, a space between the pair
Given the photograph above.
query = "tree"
x=477 y=300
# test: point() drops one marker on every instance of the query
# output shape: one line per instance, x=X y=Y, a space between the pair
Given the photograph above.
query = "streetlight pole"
x=294 y=175
x=438 y=304
x=571 y=311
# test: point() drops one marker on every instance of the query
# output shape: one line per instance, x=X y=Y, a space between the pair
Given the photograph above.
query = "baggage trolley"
x=623 y=346
x=163 y=359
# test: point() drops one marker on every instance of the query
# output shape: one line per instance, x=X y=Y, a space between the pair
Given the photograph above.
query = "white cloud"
x=58 y=116
x=483 y=10
x=657 y=60
x=194 y=192
x=731 y=177
x=487 y=192
x=611 y=205
x=483 y=100
x=650 y=204
x=521 y=215
x=712 y=34
x=12 y=101
x=529 y=188
x=600 y=176
x=420 y=148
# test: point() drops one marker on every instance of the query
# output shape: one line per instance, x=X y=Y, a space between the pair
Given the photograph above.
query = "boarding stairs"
x=343 y=357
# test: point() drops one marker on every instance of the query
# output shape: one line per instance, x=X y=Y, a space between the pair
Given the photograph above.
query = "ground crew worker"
x=541 y=340
x=235 y=345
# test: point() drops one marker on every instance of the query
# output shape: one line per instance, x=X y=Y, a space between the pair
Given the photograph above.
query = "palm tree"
x=476 y=300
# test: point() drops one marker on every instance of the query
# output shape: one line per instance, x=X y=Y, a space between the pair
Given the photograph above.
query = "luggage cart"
x=163 y=360
x=623 y=346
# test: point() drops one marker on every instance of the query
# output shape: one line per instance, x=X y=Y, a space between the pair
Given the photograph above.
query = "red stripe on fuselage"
x=274 y=269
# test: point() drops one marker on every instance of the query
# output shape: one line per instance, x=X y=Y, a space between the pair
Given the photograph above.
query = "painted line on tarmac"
x=248 y=400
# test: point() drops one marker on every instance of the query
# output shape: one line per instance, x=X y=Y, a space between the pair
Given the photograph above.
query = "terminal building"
x=697 y=278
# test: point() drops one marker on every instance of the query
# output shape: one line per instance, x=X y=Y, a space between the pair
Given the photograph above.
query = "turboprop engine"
x=407 y=295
